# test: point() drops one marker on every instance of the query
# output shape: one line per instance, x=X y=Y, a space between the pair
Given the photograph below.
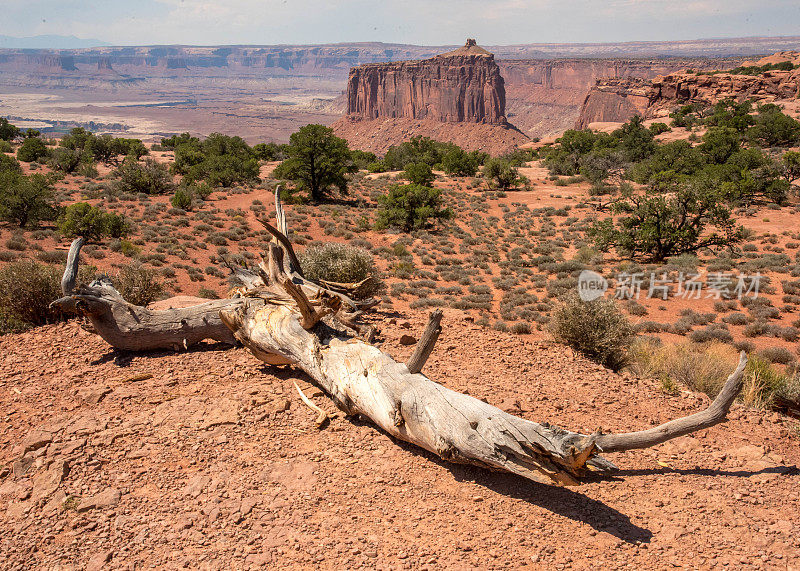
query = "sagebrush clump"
x=340 y=263
x=596 y=329
x=26 y=290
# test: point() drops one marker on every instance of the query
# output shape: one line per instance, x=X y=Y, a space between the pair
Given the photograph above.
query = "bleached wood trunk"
x=133 y=328
x=361 y=379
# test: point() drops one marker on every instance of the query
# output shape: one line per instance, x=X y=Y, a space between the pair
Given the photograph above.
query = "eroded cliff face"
x=545 y=96
x=617 y=100
x=462 y=86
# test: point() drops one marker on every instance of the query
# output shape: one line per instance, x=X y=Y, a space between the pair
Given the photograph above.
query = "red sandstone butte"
x=462 y=86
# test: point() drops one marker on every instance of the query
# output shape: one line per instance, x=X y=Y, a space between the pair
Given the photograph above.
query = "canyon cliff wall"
x=462 y=86
x=545 y=96
x=618 y=100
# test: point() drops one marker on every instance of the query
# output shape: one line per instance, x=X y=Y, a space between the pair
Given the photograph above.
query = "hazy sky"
x=426 y=22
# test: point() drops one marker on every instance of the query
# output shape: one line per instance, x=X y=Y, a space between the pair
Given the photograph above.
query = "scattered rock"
x=99 y=560
x=105 y=499
x=406 y=339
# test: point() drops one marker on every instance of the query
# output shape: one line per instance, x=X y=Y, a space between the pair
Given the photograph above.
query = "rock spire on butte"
x=463 y=86
x=458 y=96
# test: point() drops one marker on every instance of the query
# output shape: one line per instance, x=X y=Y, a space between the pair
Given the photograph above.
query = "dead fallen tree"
x=133 y=328
x=283 y=318
x=279 y=323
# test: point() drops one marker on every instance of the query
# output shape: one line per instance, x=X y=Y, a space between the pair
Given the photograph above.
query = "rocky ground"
x=207 y=459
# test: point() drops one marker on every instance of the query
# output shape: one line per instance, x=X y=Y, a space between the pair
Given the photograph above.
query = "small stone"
x=105 y=499
x=406 y=339
x=247 y=505
x=36 y=440
x=98 y=560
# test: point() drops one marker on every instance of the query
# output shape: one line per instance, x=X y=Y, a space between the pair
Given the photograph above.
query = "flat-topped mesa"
x=461 y=86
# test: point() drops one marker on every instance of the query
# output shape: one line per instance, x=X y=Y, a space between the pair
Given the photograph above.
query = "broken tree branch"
x=322 y=416
x=134 y=328
x=426 y=342
x=715 y=414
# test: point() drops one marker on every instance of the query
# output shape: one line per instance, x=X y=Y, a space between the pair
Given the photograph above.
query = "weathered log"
x=361 y=379
x=133 y=328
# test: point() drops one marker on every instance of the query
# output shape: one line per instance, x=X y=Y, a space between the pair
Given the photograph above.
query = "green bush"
x=151 y=177
x=26 y=200
x=773 y=128
x=269 y=152
x=596 y=329
x=27 y=288
x=8 y=132
x=65 y=160
x=5 y=146
x=667 y=219
x=503 y=174
x=182 y=199
x=32 y=149
x=419 y=173
x=318 y=162
x=458 y=162
x=411 y=207
x=138 y=285
x=362 y=159
x=219 y=160
x=9 y=164
x=658 y=128
x=341 y=263
x=83 y=219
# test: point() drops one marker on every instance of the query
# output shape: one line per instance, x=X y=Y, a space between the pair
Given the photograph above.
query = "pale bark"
x=361 y=379
x=133 y=328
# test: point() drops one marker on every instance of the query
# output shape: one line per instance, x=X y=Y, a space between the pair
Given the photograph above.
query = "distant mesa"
x=401 y=99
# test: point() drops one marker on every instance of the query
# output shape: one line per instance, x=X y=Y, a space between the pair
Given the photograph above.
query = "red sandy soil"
x=207 y=459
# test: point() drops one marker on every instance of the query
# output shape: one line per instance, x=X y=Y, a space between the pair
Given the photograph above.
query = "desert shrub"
x=343 y=264
x=657 y=224
x=151 y=177
x=736 y=319
x=26 y=200
x=8 y=132
x=91 y=222
x=411 y=207
x=596 y=329
x=362 y=159
x=705 y=368
x=27 y=288
x=711 y=333
x=206 y=293
x=658 y=128
x=138 y=285
x=521 y=327
x=779 y=355
x=182 y=199
x=419 y=173
x=458 y=162
x=773 y=128
x=5 y=146
x=9 y=164
x=65 y=160
x=32 y=149
x=503 y=174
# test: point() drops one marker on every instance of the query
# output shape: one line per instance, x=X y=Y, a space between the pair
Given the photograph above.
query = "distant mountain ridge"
x=49 y=42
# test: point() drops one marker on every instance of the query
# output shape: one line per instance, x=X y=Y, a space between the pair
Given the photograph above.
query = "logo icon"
x=591 y=285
